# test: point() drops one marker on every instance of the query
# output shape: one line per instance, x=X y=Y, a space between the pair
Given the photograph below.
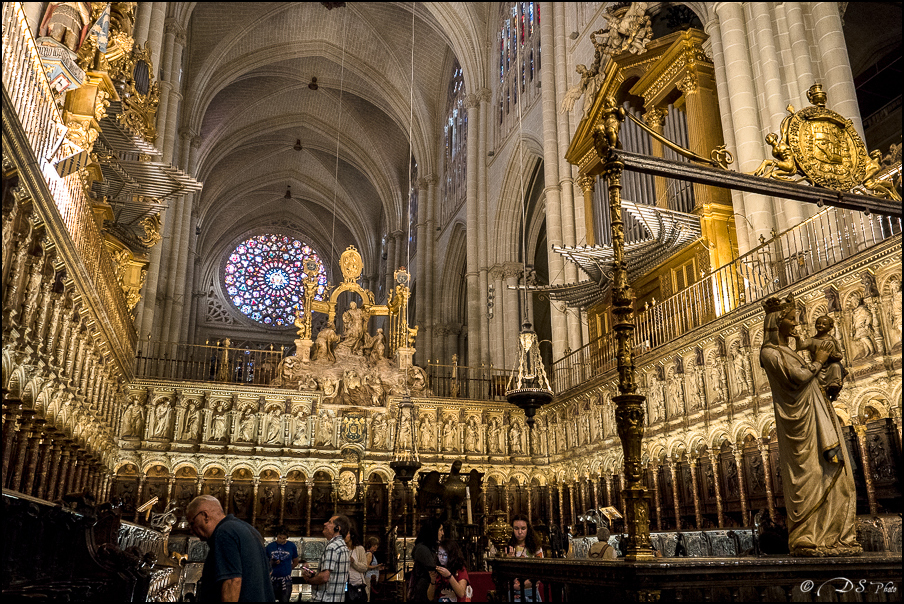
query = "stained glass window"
x=263 y=278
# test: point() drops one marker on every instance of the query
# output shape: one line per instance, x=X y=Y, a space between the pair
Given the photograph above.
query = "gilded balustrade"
x=28 y=93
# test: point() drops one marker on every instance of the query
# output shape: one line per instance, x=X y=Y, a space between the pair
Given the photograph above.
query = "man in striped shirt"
x=329 y=581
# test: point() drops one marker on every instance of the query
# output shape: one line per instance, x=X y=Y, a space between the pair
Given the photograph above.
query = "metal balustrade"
x=204 y=363
x=818 y=243
x=485 y=383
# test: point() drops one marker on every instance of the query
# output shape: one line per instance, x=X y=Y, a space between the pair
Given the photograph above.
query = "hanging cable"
x=519 y=41
x=338 y=133
x=410 y=143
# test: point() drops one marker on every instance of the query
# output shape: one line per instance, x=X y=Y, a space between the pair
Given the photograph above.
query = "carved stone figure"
x=325 y=430
x=192 y=422
x=449 y=434
x=218 y=425
x=676 y=396
x=348 y=485
x=162 y=420
x=862 y=332
x=535 y=445
x=379 y=430
x=471 y=438
x=426 y=433
x=515 y=438
x=657 y=407
x=895 y=310
x=494 y=436
x=627 y=30
x=717 y=375
x=375 y=346
x=742 y=371
x=274 y=429
x=300 y=437
x=817 y=481
x=133 y=420
x=246 y=427
x=831 y=375
x=354 y=321
x=323 y=345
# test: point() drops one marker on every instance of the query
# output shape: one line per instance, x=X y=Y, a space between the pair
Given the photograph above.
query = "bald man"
x=237 y=568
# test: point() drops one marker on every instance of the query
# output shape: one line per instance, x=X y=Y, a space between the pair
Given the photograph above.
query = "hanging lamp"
x=528 y=387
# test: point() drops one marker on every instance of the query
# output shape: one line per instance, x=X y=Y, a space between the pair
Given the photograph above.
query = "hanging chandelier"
x=528 y=388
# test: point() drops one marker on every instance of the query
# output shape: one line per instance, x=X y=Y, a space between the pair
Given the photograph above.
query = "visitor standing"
x=283 y=558
x=357 y=566
x=424 y=555
x=371 y=545
x=329 y=580
x=236 y=568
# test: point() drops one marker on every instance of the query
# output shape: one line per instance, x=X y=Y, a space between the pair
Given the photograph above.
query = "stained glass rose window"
x=263 y=278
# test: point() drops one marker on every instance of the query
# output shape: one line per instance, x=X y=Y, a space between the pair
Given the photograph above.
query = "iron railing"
x=819 y=242
x=205 y=363
x=460 y=381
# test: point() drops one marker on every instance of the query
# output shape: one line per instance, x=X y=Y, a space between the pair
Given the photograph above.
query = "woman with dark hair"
x=424 y=555
x=524 y=544
x=451 y=577
x=357 y=566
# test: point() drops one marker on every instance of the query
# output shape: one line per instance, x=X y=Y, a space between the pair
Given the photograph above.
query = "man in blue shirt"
x=237 y=568
x=283 y=558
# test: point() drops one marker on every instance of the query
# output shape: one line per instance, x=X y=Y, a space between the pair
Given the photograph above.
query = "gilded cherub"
x=880 y=188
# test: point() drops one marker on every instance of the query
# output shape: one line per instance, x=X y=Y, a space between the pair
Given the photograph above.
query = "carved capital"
x=587 y=183
x=688 y=84
x=655 y=118
x=472 y=101
x=485 y=94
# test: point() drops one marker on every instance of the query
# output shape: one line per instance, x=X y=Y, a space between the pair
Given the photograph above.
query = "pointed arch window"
x=456 y=145
x=518 y=45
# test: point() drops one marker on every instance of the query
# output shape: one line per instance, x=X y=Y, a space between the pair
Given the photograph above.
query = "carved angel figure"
x=586 y=88
x=862 y=332
x=449 y=434
x=378 y=429
x=879 y=188
x=192 y=422
x=300 y=437
x=218 y=427
x=471 y=439
x=133 y=420
x=273 y=428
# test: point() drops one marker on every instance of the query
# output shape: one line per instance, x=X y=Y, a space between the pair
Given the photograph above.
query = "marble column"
x=472 y=203
x=47 y=455
x=838 y=80
x=310 y=485
x=48 y=487
x=507 y=490
x=587 y=184
x=714 y=463
x=561 y=507
x=530 y=504
x=227 y=483
x=11 y=411
x=656 y=499
x=695 y=486
x=609 y=490
x=744 y=111
x=140 y=491
x=673 y=472
x=552 y=192
x=551 y=521
x=866 y=462
x=484 y=95
x=282 y=501
x=572 y=495
x=255 y=485
x=738 y=455
x=763 y=446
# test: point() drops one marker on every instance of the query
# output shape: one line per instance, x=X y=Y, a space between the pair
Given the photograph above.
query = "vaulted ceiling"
x=247 y=69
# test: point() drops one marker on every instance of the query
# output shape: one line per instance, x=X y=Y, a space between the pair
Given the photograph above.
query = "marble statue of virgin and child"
x=817 y=476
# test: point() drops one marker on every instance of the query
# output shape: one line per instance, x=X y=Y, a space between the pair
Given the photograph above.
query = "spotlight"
x=288 y=194
x=297 y=146
x=313 y=85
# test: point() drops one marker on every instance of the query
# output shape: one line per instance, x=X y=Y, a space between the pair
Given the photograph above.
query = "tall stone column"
x=744 y=111
x=552 y=191
x=500 y=312
x=255 y=485
x=552 y=519
x=484 y=95
x=512 y=316
x=140 y=492
x=695 y=485
x=561 y=507
x=609 y=490
x=472 y=202
x=155 y=34
x=47 y=455
x=507 y=490
x=390 y=262
x=282 y=500
x=142 y=24
x=836 y=66
x=420 y=318
x=800 y=72
x=429 y=243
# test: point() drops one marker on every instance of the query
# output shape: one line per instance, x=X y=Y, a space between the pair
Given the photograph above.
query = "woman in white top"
x=371 y=545
x=357 y=566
